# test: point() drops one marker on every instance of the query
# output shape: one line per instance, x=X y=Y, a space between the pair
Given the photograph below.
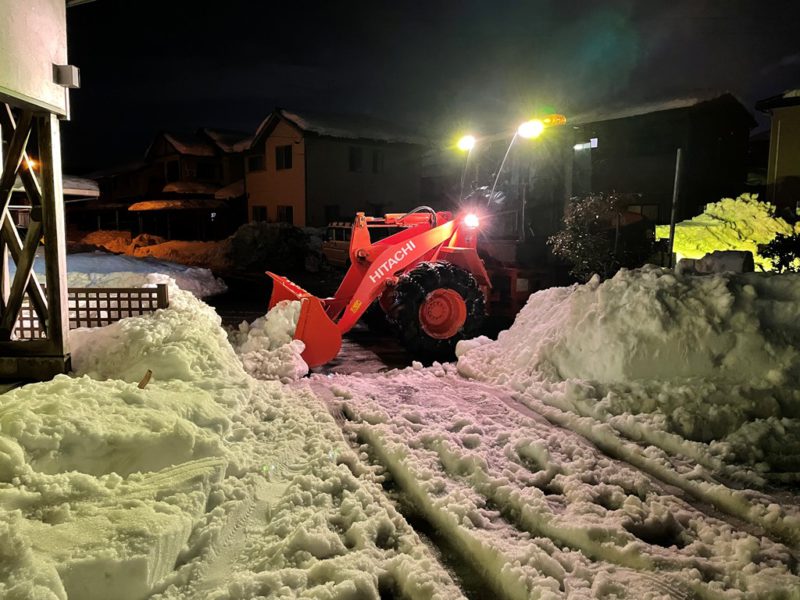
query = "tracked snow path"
x=539 y=510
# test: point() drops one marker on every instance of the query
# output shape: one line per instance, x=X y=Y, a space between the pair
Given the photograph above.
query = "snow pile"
x=184 y=342
x=266 y=346
x=706 y=366
x=211 y=255
x=743 y=223
x=99 y=269
x=113 y=241
x=651 y=324
x=200 y=482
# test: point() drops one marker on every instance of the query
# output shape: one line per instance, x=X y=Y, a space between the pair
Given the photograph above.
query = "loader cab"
x=336 y=247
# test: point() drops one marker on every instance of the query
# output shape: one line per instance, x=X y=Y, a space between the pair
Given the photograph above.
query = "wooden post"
x=4 y=272
x=55 y=255
x=676 y=190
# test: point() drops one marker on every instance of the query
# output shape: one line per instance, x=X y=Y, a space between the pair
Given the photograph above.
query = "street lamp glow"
x=466 y=143
x=530 y=129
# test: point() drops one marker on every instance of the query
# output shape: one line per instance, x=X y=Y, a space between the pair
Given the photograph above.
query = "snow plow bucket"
x=315 y=329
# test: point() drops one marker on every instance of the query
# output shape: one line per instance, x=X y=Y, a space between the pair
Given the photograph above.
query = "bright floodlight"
x=471 y=220
x=530 y=129
x=466 y=143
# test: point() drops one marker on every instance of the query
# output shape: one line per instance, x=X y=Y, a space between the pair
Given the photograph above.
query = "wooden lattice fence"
x=96 y=307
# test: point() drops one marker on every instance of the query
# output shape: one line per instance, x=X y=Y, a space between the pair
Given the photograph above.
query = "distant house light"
x=592 y=143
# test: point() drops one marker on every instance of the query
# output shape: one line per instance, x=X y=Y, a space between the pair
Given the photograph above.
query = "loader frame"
x=374 y=271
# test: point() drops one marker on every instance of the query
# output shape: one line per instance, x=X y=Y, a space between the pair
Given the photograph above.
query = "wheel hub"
x=443 y=313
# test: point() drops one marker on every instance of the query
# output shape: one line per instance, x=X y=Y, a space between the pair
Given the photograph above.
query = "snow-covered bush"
x=743 y=223
x=784 y=252
x=269 y=245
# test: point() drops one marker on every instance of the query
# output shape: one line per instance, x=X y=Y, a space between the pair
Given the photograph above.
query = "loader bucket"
x=316 y=330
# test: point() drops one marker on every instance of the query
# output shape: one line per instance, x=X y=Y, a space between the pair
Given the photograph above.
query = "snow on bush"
x=266 y=346
x=743 y=223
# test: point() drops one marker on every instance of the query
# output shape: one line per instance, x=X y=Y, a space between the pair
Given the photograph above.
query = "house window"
x=259 y=213
x=255 y=162
x=285 y=214
x=377 y=161
x=356 y=159
x=206 y=171
x=283 y=157
x=172 y=171
x=331 y=213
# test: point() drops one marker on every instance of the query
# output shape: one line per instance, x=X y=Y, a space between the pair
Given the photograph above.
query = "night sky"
x=440 y=67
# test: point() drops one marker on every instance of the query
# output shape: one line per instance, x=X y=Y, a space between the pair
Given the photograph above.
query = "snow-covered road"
x=538 y=510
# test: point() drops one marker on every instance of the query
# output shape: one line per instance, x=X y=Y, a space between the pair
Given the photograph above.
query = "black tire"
x=412 y=289
x=375 y=319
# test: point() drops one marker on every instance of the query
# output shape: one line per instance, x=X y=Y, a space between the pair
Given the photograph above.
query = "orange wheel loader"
x=427 y=278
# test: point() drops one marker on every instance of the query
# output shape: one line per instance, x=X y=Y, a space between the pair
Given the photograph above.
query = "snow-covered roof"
x=229 y=141
x=190 y=187
x=190 y=143
x=343 y=126
x=194 y=204
x=73 y=186
x=787 y=98
x=232 y=190
x=623 y=112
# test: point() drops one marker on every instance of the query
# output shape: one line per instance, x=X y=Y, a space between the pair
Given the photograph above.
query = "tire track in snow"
x=399 y=397
x=503 y=544
x=770 y=518
x=471 y=582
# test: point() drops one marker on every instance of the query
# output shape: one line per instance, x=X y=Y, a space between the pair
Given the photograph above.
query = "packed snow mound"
x=742 y=223
x=183 y=342
x=266 y=346
x=651 y=324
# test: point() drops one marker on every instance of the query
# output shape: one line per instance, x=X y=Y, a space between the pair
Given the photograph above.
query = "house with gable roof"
x=783 y=169
x=309 y=168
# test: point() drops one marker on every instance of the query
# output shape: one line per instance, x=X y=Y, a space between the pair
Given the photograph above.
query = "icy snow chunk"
x=266 y=346
x=271 y=331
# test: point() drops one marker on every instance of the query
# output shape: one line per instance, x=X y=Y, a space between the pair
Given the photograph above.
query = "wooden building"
x=634 y=150
x=783 y=169
x=312 y=169
x=180 y=190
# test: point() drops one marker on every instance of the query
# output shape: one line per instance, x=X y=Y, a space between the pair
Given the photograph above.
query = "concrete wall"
x=395 y=187
x=783 y=171
x=270 y=187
